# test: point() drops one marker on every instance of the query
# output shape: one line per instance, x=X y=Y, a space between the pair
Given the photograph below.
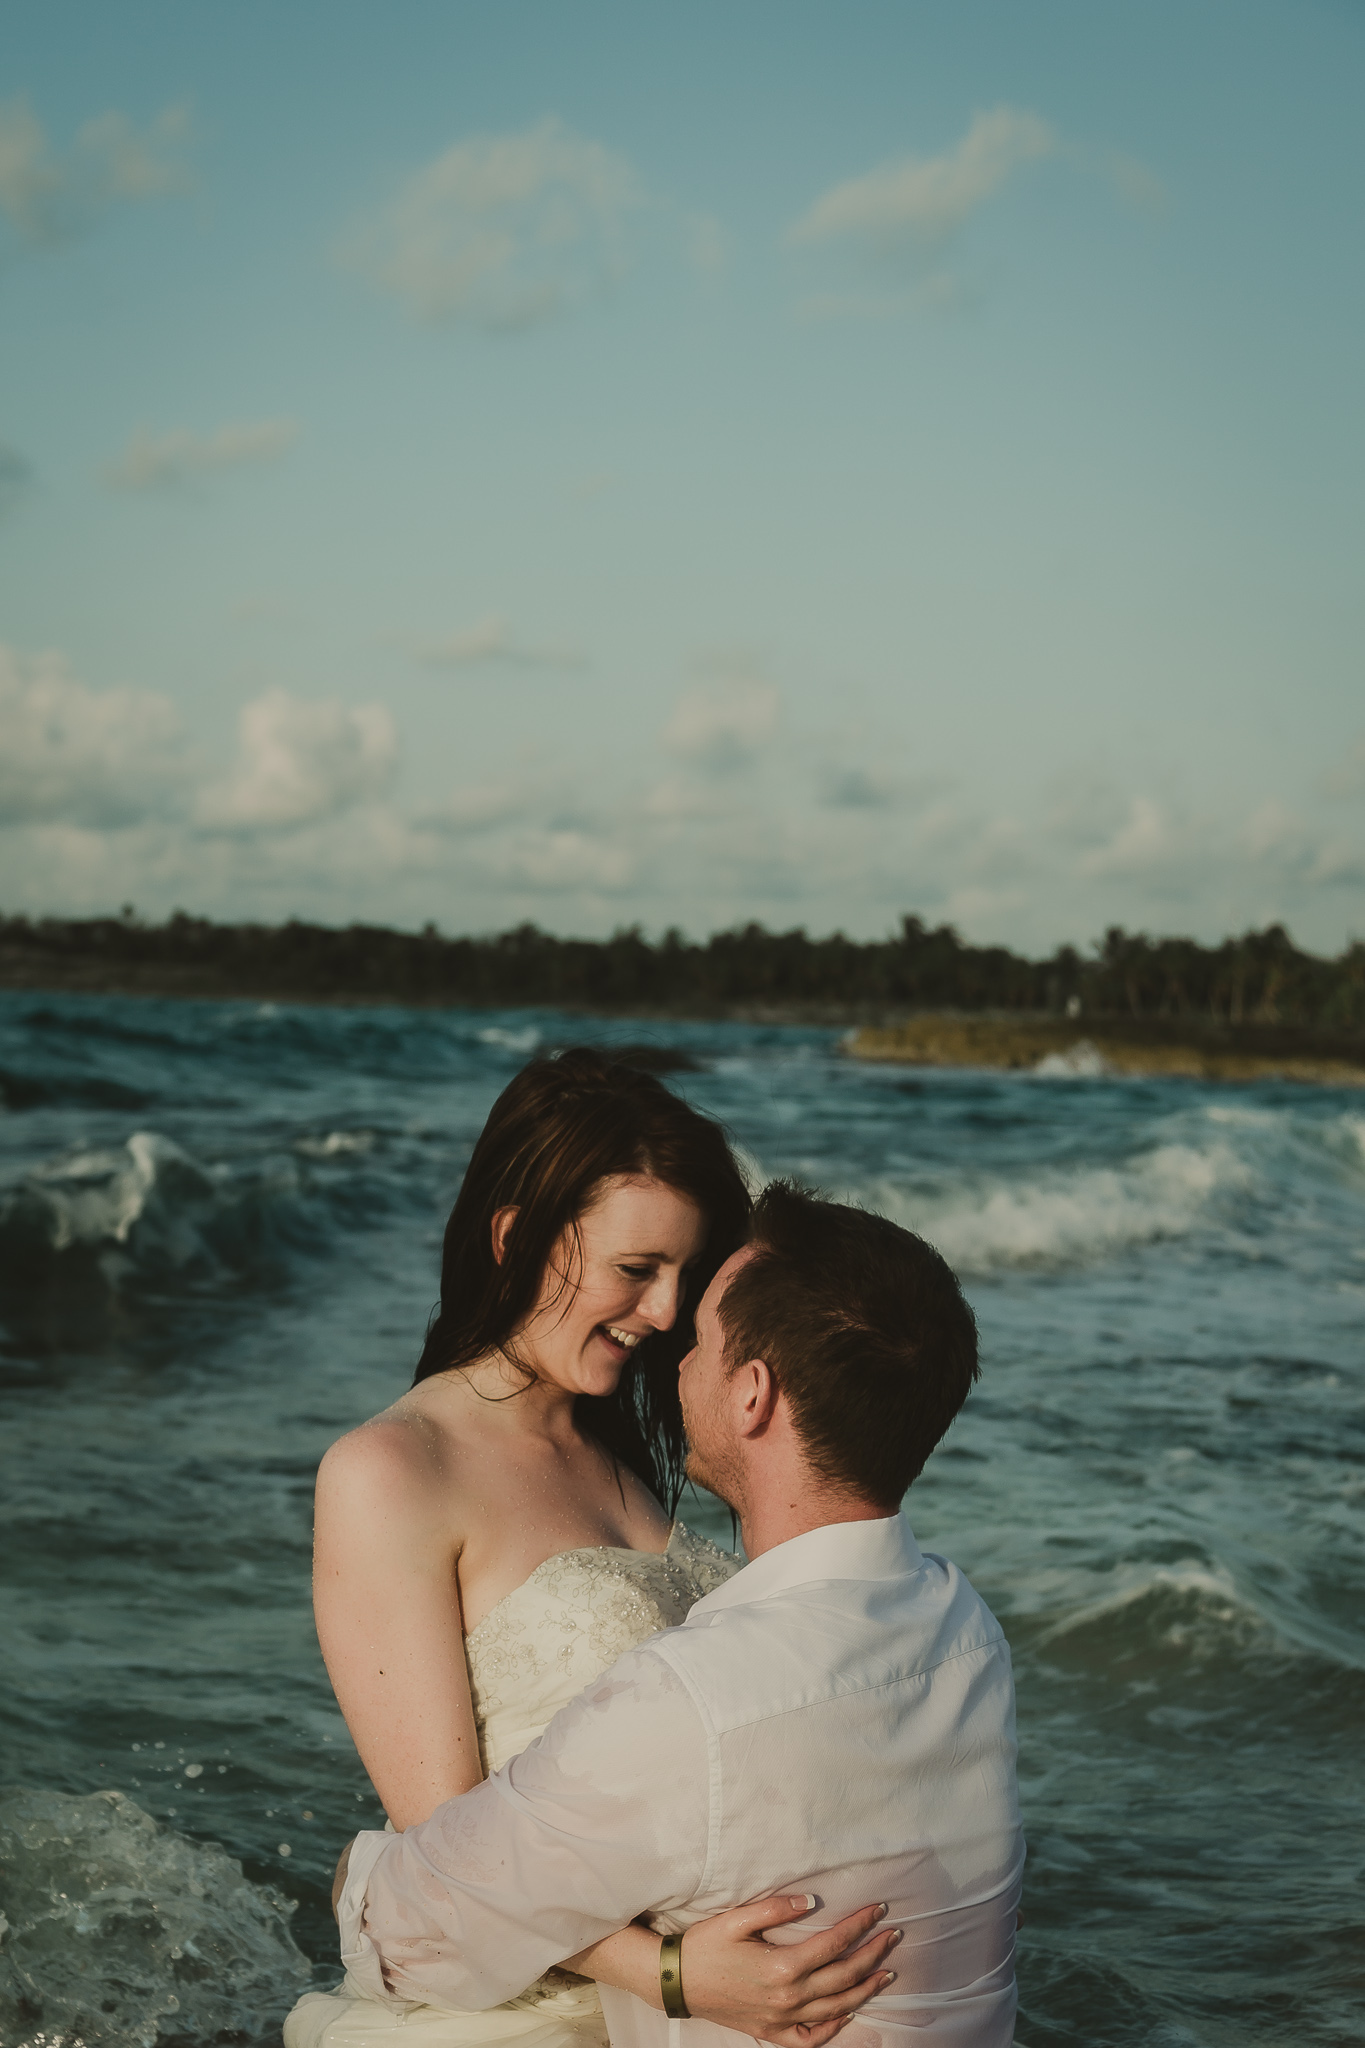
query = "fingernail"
x=897 y=1936
x=881 y=1912
x=888 y=1976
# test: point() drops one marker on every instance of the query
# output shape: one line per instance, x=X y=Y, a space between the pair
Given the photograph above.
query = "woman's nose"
x=659 y=1302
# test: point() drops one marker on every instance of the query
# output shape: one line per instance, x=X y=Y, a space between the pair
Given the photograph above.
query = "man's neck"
x=795 y=1511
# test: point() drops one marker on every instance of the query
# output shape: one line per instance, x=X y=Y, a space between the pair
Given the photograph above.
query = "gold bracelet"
x=670 y=1978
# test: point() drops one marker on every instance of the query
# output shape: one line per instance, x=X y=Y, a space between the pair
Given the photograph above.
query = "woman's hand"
x=797 y=1995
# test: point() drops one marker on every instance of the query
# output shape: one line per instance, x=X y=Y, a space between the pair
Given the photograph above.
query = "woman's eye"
x=638 y=1272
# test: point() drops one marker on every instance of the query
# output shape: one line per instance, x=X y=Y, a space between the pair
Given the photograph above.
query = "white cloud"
x=1274 y=833
x=48 y=197
x=301 y=763
x=493 y=640
x=723 y=724
x=476 y=809
x=153 y=460
x=502 y=231
x=917 y=203
x=1339 y=864
x=1142 y=842
x=564 y=861
x=82 y=757
x=681 y=797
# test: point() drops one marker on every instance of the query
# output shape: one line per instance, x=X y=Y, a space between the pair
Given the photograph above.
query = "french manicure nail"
x=888 y=1976
x=897 y=1936
x=881 y=1912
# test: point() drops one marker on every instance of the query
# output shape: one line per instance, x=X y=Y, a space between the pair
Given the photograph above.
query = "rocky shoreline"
x=1106 y=1045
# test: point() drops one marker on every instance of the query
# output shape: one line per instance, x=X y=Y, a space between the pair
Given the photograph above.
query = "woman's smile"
x=620 y=1342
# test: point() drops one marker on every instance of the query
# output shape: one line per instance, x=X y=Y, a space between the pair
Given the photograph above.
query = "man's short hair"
x=865 y=1330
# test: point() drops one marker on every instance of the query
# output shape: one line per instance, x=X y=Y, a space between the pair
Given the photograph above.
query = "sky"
x=624 y=463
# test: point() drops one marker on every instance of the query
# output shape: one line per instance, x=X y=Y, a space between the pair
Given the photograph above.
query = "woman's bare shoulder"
x=403 y=1456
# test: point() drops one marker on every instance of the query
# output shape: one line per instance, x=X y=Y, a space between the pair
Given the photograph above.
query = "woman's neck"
x=507 y=1394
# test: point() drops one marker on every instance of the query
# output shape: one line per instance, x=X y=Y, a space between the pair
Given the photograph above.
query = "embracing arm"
x=603 y=1819
x=387 y=1605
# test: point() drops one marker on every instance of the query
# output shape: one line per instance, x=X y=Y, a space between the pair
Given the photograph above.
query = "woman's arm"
x=387 y=1604
x=797 y=1996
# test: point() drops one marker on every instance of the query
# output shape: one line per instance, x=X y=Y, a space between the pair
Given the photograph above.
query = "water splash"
x=119 y=1933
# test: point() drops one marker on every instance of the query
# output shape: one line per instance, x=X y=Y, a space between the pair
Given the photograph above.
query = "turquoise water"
x=219 y=1237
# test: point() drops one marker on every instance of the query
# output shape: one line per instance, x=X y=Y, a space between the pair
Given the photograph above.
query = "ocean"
x=219 y=1243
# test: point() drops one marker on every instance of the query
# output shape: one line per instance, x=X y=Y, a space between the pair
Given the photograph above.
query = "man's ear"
x=756 y=1396
x=503 y=1219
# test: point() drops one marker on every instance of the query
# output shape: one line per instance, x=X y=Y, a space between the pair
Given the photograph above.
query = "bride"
x=490 y=1544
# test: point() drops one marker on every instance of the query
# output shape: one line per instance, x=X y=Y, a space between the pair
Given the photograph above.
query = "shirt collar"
x=884 y=1549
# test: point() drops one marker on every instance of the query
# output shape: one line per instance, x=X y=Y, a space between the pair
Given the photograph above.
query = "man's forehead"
x=710 y=1301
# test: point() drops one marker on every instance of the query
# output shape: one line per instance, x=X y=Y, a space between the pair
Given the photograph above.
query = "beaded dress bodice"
x=565 y=1625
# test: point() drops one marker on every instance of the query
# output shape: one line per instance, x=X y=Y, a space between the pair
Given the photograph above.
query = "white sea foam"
x=335 y=1144
x=1065 y=1217
x=1080 y=1062
x=1198 y=1610
x=120 y=1931
x=102 y=1197
x=146 y=1203
x=511 y=1041
x=1352 y=1129
x=1209 y=1588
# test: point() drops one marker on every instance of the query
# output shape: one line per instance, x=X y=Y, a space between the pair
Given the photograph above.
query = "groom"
x=837 y=1719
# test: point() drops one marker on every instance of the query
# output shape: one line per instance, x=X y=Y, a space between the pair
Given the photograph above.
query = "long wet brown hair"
x=554 y=1134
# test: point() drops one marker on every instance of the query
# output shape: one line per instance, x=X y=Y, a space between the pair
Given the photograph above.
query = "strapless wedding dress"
x=532 y=1654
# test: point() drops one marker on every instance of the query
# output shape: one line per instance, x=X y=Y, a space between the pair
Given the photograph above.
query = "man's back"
x=858 y=1706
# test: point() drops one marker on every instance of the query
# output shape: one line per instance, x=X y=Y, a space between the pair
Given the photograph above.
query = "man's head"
x=833 y=1351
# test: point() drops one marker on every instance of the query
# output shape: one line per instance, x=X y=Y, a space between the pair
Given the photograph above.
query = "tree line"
x=1261 y=978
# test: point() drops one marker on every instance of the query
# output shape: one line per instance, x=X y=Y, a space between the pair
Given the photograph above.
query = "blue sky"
x=603 y=463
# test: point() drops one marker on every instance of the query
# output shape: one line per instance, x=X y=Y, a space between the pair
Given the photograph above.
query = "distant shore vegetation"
x=1258 y=981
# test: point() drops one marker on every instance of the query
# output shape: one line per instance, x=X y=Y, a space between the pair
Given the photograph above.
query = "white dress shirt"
x=838 y=1719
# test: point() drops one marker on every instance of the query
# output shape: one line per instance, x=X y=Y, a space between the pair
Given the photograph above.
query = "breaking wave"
x=116 y=1932
x=1189 y=1613
x=1076 y=1216
x=147 y=1209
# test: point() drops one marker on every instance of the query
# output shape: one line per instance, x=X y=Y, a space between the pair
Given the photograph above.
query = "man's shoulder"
x=748 y=1660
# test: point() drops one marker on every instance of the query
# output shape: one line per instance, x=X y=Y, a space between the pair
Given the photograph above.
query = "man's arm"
x=605 y=1817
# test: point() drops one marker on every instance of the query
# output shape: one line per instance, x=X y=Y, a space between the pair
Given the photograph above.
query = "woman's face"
x=639 y=1240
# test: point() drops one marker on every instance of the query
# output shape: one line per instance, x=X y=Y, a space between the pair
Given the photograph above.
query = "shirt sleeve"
x=604 y=1817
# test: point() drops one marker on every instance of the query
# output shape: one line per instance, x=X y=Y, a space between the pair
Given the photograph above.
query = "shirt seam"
x=997 y=1642
x=713 y=1764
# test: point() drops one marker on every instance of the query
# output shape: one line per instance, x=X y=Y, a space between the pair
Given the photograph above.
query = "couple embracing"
x=633 y=1788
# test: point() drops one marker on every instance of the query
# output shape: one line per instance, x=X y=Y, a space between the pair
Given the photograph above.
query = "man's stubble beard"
x=718 y=1474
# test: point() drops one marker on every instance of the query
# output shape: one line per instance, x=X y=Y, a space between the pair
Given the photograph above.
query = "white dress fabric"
x=529 y=1656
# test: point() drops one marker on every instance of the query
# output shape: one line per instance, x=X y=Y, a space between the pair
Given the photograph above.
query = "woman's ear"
x=503 y=1219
